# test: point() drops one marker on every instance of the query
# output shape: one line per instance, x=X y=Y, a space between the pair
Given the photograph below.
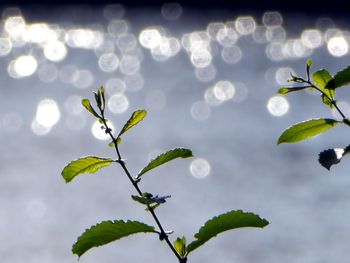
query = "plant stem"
x=331 y=101
x=163 y=234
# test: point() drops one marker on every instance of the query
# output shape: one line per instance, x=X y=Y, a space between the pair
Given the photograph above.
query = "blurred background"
x=208 y=77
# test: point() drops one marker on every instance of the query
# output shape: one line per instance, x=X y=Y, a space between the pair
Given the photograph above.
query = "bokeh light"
x=312 y=38
x=231 y=55
x=200 y=168
x=118 y=27
x=201 y=58
x=67 y=73
x=245 y=25
x=213 y=29
x=25 y=66
x=283 y=74
x=210 y=97
x=115 y=85
x=171 y=62
x=200 y=111
x=227 y=37
x=129 y=65
x=72 y=105
x=150 y=38
x=126 y=42
x=274 y=51
x=47 y=72
x=206 y=74
x=278 y=106
x=108 y=62
x=99 y=133
x=85 y=38
x=55 y=51
x=224 y=90
x=15 y=26
x=134 y=82
x=83 y=78
x=338 y=46
x=47 y=113
x=171 y=11
x=272 y=19
x=38 y=129
x=118 y=103
x=39 y=33
x=276 y=34
x=259 y=35
x=5 y=46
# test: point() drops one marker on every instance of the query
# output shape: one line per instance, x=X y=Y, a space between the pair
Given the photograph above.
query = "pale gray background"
x=307 y=206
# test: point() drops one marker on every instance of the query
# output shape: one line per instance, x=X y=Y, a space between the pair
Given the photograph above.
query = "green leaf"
x=135 y=118
x=102 y=94
x=325 y=99
x=321 y=78
x=180 y=246
x=285 y=90
x=86 y=103
x=306 y=129
x=324 y=81
x=228 y=221
x=89 y=164
x=111 y=144
x=342 y=78
x=166 y=157
x=106 y=232
x=308 y=65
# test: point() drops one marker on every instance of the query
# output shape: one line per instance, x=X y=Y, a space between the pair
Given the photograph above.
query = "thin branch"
x=163 y=234
x=331 y=100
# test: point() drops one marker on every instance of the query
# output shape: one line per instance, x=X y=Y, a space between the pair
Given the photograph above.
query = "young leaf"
x=287 y=90
x=86 y=103
x=106 y=232
x=148 y=199
x=321 y=78
x=306 y=129
x=89 y=164
x=325 y=99
x=135 y=118
x=228 y=221
x=342 y=78
x=101 y=93
x=330 y=157
x=325 y=82
x=111 y=144
x=166 y=157
x=308 y=65
x=180 y=246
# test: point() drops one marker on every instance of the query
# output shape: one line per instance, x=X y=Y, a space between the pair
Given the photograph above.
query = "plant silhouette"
x=326 y=85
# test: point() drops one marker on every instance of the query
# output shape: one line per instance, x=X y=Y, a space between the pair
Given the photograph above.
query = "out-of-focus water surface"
x=209 y=83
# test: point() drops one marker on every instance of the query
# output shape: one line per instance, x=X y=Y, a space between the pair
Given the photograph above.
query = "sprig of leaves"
x=109 y=231
x=326 y=85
